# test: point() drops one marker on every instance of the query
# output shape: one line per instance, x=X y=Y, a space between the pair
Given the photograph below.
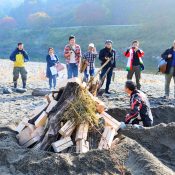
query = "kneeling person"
x=140 y=108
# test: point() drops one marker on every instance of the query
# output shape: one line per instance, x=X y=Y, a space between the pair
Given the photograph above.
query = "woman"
x=52 y=60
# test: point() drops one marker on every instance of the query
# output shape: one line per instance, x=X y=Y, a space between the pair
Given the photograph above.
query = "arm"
x=127 y=54
x=26 y=57
x=134 y=111
x=165 y=55
x=67 y=52
x=141 y=53
x=102 y=56
x=13 y=56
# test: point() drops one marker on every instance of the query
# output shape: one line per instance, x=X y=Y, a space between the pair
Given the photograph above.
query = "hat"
x=91 y=45
x=71 y=37
x=108 y=41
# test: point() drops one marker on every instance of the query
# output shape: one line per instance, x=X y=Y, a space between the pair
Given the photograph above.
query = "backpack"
x=162 y=66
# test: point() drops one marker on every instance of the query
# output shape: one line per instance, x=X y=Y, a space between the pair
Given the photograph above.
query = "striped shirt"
x=90 y=57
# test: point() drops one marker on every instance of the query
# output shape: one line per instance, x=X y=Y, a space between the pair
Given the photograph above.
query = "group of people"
x=140 y=108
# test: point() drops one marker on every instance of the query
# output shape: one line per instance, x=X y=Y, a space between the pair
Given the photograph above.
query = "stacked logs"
x=70 y=120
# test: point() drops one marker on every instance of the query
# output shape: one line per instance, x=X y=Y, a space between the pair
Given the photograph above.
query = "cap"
x=108 y=41
x=91 y=45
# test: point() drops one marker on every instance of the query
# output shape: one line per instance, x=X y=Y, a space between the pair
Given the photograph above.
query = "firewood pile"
x=71 y=120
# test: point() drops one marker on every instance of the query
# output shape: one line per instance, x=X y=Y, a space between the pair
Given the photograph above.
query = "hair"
x=130 y=85
x=135 y=41
x=20 y=43
x=71 y=37
x=50 y=48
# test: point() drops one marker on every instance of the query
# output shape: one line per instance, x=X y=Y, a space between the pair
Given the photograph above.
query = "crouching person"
x=140 y=108
x=19 y=56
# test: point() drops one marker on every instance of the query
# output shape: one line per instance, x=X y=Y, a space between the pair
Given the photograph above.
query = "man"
x=169 y=57
x=140 y=108
x=108 y=53
x=19 y=56
x=72 y=53
x=135 y=63
x=90 y=57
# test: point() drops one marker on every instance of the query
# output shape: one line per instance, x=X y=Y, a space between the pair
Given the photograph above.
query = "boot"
x=15 y=85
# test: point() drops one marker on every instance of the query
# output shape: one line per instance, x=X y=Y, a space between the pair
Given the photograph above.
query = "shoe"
x=166 y=97
x=107 y=93
x=25 y=89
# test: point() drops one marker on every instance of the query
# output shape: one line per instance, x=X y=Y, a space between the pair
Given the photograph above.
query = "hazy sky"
x=11 y=3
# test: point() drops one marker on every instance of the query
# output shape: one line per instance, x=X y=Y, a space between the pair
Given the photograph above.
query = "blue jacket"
x=50 y=63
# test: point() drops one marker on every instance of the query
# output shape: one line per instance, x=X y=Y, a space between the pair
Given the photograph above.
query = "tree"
x=39 y=19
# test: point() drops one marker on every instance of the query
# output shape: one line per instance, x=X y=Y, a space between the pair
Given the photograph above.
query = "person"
x=51 y=60
x=169 y=57
x=72 y=54
x=135 y=63
x=107 y=53
x=90 y=57
x=19 y=56
x=140 y=108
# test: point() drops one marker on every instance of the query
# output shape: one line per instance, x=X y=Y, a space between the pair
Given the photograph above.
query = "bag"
x=162 y=66
x=53 y=70
x=59 y=67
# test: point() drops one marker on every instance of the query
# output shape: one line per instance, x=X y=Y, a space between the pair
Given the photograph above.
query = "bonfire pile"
x=71 y=120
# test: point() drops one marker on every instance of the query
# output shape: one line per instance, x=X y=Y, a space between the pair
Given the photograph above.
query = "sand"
x=149 y=152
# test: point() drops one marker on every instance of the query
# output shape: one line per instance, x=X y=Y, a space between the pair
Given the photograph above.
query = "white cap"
x=91 y=45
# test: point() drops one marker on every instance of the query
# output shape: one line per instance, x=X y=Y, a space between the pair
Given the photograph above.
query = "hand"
x=106 y=58
x=170 y=56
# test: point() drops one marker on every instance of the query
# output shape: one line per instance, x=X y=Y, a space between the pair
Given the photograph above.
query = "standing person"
x=90 y=57
x=51 y=60
x=19 y=56
x=169 y=57
x=140 y=108
x=72 y=54
x=107 y=53
x=135 y=63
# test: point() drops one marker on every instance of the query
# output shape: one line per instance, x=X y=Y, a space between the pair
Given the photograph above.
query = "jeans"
x=109 y=76
x=86 y=74
x=168 y=78
x=52 y=80
x=137 y=71
x=22 y=71
x=72 y=70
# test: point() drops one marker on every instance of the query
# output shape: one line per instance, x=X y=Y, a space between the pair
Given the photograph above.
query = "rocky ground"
x=148 y=152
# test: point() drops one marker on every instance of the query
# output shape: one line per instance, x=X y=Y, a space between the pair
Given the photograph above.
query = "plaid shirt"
x=90 y=57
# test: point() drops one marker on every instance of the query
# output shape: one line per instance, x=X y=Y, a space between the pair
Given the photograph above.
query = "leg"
x=130 y=74
x=23 y=73
x=15 y=76
x=54 y=81
x=108 y=81
x=50 y=81
x=174 y=86
x=75 y=70
x=167 y=84
x=85 y=79
x=69 y=71
x=138 y=76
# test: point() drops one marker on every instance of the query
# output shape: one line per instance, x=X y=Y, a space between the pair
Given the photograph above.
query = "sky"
x=12 y=3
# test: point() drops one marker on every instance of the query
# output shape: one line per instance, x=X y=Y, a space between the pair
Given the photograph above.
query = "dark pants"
x=137 y=71
x=146 y=123
x=72 y=70
x=22 y=71
x=52 y=80
x=109 y=77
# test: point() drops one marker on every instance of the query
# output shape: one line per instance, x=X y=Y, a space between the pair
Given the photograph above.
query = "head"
x=91 y=47
x=20 y=46
x=51 y=51
x=135 y=44
x=174 y=44
x=72 y=40
x=130 y=86
x=108 y=44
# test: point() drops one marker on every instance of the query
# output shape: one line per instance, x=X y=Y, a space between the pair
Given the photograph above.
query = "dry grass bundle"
x=82 y=109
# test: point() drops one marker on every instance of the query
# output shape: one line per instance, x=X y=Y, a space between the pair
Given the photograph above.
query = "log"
x=82 y=146
x=51 y=106
x=31 y=141
x=22 y=125
x=82 y=131
x=41 y=121
x=40 y=92
x=107 y=138
x=62 y=144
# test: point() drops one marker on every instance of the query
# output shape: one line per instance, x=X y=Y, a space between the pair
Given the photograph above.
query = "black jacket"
x=140 y=108
x=168 y=60
x=108 y=53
